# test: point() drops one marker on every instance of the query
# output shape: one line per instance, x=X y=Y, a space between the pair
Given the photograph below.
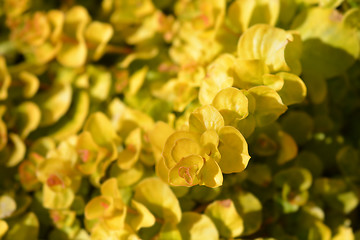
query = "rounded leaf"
x=157 y=196
x=205 y=118
x=268 y=44
x=294 y=89
x=185 y=172
x=195 y=226
x=226 y=218
x=233 y=149
x=232 y=104
x=269 y=105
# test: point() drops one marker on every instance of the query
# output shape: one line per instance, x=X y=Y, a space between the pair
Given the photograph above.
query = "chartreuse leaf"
x=287 y=12
x=304 y=126
x=98 y=207
x=185 y=172
x=27 y=117
x=156 y=196
x=313 y=229
x=57 y=199
x=250 y=209
x=100 y=83
x=330 y=3
x=88 y=153
x=288 y=148
x=127 y=177
x=328 y=48
x=101 y=129
x=14 y=152
x=184 y=147
x=245 y=13
x=7 y=206
x=246 y=126
x=73 y=52
x=294 y=89
x=270 y=45
x=197 y=226
x=177 y=91
x=161 y=170
x=169 y=230
x=32 y=84
x=129 y=156
x=75 y=118
x=98 y=34
x=3 y=228
x=227 y=220
x=232 y=104
x=157 y=137
x=311 y=162
x=25 y=227
x=249 y=72
x=209 y=142
x=343 y=232
x=348 y=161
x=351 y=18
x=296 y=178
x=269 y=105
x=109 y=209
x=54 y=103
x=5 y=79
x=204 y=194
x=205 y=118
x=218 y=76
x=185 y=137
x=317 y=87
x=259 y=174
x=3 y=129
x=141 y=218
x=210 y=174
x=136 y=81
x=233 y=149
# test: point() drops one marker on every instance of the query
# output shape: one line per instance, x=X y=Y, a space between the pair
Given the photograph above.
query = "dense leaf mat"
x=186 y=119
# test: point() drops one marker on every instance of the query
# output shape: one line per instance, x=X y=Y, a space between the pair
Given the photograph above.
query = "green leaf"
x=5 y=79
x=28 y=117
x=250 y=209
x=195 y=226
x=328 y=48
x=232 y=104
x=245 y=13
x=294 y=89
x=54 y=103
x=156 y=196
x=142 y=218
x=269 y=105
x=25 y=227
x=100 y=127
x=227 y=220
x=304 y=126
x=233 y=149
x=270 y=45
x=205 y=118
x=210 y=174
x=185 y=172
x=297 y=178
x=218 y=76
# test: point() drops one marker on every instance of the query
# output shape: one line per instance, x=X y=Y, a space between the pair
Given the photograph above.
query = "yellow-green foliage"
x=186 y=119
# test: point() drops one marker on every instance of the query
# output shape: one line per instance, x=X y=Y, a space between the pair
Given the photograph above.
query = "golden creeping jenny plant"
x=186 y=119
x=201 y=154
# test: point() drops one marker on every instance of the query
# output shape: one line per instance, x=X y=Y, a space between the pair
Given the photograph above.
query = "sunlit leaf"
x=158 y=198
x=228 y=222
